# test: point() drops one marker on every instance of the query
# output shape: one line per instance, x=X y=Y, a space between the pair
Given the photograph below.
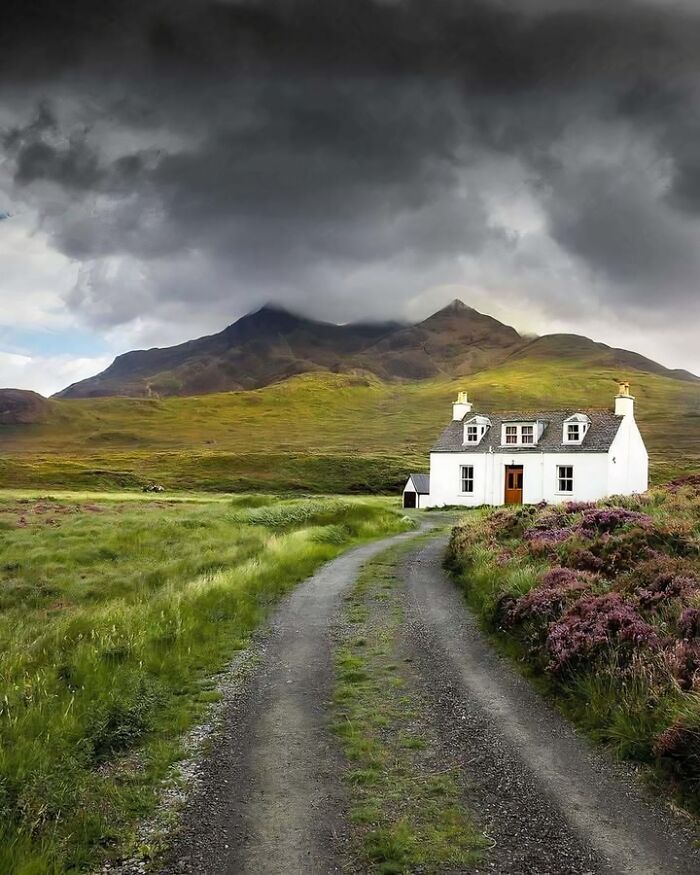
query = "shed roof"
x=421 y=483
x=598 y=438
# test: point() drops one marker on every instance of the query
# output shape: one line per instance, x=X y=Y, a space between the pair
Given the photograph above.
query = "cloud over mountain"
x=353 y=158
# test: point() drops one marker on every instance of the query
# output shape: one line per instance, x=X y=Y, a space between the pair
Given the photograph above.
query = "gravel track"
x=550 y=801
x=271 y=799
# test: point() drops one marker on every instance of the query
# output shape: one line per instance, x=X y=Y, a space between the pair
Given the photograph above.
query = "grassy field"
x=324 y=433
x=602 y=605
x=116 y=612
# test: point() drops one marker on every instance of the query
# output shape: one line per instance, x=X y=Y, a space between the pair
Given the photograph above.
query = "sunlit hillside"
x=321 y=432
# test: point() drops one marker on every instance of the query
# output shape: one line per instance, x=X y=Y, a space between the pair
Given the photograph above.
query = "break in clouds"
x=166 y=166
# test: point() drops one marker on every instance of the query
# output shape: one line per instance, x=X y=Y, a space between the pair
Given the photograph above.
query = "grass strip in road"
x=406 y=800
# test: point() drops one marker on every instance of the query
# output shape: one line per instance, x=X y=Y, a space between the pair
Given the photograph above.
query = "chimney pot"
x=624 y=402
x=461 y=407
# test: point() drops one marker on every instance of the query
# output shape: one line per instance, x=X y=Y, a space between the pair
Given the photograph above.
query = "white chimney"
x=461 y=407
x=624 y=402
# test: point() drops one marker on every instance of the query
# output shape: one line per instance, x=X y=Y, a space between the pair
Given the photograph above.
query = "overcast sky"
x=166 y=166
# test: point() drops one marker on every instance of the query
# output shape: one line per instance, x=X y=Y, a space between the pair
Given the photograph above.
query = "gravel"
x=270 y=799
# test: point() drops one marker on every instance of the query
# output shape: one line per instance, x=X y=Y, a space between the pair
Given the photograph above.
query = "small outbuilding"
x=416 y=490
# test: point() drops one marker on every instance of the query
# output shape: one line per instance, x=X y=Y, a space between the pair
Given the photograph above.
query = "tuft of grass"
x=114 y=617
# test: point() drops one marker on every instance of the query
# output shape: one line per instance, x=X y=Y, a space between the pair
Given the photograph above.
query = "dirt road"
x=273 y=800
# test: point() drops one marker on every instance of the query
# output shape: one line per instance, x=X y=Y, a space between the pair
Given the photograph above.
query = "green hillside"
x=321 y=432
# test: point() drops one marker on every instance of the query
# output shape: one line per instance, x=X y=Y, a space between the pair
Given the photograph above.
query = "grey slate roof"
x=422 y=483
x=599 y=437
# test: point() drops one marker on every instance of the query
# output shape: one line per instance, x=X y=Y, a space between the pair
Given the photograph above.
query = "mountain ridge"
x=271 y=344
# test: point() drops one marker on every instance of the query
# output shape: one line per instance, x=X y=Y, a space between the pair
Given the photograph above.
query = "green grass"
x=114 y=618
x=407 y=812
x=320 y=432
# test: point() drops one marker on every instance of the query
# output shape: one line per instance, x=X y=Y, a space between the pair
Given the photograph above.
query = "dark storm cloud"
x=293 y=147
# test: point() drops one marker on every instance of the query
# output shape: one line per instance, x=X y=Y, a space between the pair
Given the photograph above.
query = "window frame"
x=465 y=479
x=576 y=427
x=471 y=428
x=564 y=478
x=512 y=434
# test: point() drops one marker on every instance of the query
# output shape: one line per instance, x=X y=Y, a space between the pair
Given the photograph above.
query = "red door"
x=514 y=484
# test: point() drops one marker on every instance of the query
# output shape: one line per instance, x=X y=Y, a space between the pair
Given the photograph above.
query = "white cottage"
x=528 y=457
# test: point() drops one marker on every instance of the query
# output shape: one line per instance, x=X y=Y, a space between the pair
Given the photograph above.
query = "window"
x=520 y=434
x=573 y=432
x=472 y=434
x=565 y=478
x=576 y=428
x=467 y=478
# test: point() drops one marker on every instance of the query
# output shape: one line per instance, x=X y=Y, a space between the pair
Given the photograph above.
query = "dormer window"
x=575 y=428
x=475 y=429
x=519 y=434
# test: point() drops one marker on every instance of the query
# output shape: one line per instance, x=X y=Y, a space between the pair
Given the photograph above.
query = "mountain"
x=272 y=344
x=574 y=346
x=453 y=342
x=263 y=347
x=20 y=407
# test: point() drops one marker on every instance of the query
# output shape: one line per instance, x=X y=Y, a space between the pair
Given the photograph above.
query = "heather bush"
x=683 y=660
x=608 y=554
x=689 y=484
x=553 y=528
x=689 y=623
x=629 y=502
x=594 y=623
x=599 y=520
x=577 y=506
x=555 y=590
x=667 y=586
x=511 y=523
x=646 y=573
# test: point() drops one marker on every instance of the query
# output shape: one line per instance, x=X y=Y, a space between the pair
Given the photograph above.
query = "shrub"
x=504 y=524
x=550 y=528
x=666 y=587
x=689 y=623
x=598 y=520
x=556 y=589
x=577 y=506
x=678 y=749
x=691 y=483
x=609 y=554
x=593 y=624
x=683 y=660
